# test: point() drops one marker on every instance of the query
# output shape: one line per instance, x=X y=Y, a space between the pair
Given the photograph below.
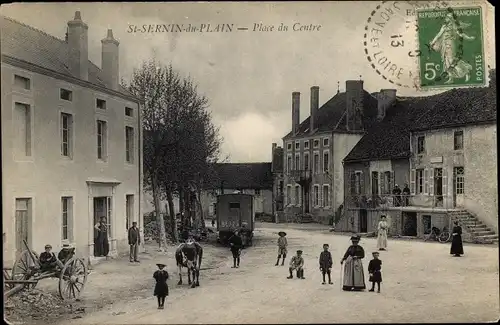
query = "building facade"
x=71 y=142
x=315 y=148
x=278 y=182
x=247 y=178
x=440 y=151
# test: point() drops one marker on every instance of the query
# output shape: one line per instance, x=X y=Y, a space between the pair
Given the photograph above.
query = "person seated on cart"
x=48 y=260
x=66 y=253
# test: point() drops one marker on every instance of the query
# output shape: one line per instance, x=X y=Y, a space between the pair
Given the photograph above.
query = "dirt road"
x=422 y=283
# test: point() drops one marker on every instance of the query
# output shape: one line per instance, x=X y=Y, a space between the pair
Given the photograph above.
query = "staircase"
x=479 y=232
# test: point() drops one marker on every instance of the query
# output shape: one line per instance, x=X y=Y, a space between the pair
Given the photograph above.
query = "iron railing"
x=363 y=201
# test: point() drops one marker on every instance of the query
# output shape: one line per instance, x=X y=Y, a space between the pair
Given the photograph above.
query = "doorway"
x=438 y=187
x=363 y=220
x=23 y=224
x=102 y=208
x=409 y=224
x=306 y=199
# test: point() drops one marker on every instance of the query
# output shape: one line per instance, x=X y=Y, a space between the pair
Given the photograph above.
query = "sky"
x=248 y=76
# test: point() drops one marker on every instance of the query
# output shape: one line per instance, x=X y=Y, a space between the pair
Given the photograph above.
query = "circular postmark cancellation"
x=416 y=44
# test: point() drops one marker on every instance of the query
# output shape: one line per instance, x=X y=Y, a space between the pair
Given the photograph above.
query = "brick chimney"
x=78 y=47
x=385 y=99
x=354 y=104
x=295 y=112
x=314 y=107
x=110 y=61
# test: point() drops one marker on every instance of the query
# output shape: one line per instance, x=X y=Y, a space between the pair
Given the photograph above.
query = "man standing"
x=406 y=195
x=134 y=239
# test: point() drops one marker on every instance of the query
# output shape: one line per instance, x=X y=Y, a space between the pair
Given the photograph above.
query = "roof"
x=331 y=117
x=390 y=138
x=241 y=176
x=31 y=45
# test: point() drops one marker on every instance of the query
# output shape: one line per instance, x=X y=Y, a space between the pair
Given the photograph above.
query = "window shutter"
x=426 y=181
x=392 y=182
x=352 y=185
x=381 y=185
x=321 y=196
x=431 y=182
x=412 y=181
x=362 y=183
x=445 y=182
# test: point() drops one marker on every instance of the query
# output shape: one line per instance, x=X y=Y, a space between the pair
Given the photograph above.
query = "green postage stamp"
x=451 y=44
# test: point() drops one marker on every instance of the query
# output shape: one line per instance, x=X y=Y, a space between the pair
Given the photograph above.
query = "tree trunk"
x=181 y=204
x=162 y=238
x=173 y=218
x=200 y=208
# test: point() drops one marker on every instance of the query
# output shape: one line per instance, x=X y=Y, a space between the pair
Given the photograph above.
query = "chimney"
x=314 y=106
x=110 y=61
x=385 y=99
x=295 y=112
x=354 y=104
x=78 y=47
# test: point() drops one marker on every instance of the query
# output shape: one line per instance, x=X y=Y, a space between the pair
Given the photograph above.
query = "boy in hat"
x=282 y=245
x=297 y=263
x=326 y=263
x=47 y=259
x=161 y=287
x=374 y=268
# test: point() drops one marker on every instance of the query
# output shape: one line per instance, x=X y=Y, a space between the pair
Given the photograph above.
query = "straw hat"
x=282 y=233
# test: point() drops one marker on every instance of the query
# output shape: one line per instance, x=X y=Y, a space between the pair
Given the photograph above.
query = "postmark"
x=452 y=46
x=393 y=46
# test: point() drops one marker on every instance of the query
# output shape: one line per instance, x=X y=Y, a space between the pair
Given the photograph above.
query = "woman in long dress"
x=457 y=248
x=354 y=277
x=382 y=233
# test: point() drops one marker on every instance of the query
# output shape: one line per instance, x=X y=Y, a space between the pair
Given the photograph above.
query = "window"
x=66 y=205
x=297 y=145
x=420 y=180
x=289 y=146
x=459 y=180
x=101 y=139
x=306 y=161
x=297 y=195
x=326 y=161
x=306 y=144
x=458 y=140
x=234 y=205
x=129 y=144
x=23 y=128
x=316 y=195
x=100 y=103
x=316 y=163
x=289 y=163
x=66 y=134
x=387 y=183
x=289 y=194
x=356 y=183
x=129 y=111
x=326 y=195
x=315 y=143
x=257 y=191
x=129 y=205
x=297 y=162
x=326 y=142
x=374 y=183
x=420 y=144
x=66 y=94
x=281 y=187
x=22 y=82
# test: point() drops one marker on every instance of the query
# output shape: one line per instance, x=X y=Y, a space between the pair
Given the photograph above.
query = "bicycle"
x=442 y=236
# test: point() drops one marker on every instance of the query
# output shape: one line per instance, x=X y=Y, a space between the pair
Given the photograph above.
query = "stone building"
x=278 y=182
x=71 y=141
x=315 y=148
x=443 y=148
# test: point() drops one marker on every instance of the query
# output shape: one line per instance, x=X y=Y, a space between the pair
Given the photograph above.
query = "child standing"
x=326 y=263
x=297 y=263
x=282 y=247
x=374 y=268
x=161 y=287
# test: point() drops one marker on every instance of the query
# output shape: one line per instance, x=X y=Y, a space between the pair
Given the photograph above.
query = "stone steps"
x=477 y=229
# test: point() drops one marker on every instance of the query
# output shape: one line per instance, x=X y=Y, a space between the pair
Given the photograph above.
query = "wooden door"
x=363 y=220
x=22 y=224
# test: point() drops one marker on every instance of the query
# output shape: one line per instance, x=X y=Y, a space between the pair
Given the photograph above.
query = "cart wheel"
x=444 y=236
x=25 y=268
x=72 y=279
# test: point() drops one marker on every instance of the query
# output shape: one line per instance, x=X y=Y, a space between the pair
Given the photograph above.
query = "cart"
x=27 y=271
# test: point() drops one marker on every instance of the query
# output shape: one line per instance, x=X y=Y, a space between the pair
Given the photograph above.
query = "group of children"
x=325 y=263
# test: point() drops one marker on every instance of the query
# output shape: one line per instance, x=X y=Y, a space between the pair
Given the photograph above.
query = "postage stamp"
x=398 y=36
x=452 y=47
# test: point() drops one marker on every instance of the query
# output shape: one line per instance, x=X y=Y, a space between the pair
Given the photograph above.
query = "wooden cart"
x=27 y=271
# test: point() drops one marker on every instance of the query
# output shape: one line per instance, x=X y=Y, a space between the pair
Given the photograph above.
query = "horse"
x=189 y=255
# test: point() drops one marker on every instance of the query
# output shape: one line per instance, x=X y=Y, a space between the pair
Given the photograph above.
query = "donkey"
x=189 y=255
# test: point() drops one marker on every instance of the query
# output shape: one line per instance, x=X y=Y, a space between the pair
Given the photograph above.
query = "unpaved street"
x=422 y=283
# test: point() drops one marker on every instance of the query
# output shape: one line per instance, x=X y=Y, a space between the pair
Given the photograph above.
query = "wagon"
x=27 y=271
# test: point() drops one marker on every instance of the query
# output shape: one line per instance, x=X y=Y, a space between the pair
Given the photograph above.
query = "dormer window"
x=100 y=103
x=315 y=143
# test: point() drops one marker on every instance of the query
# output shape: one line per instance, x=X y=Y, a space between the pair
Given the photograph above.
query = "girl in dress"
x=161 y=287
